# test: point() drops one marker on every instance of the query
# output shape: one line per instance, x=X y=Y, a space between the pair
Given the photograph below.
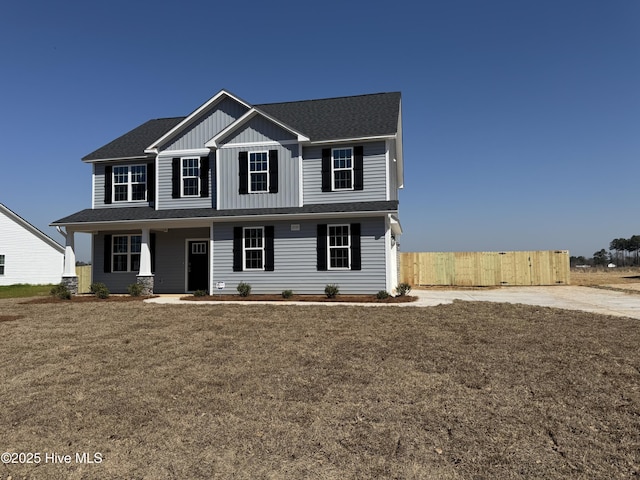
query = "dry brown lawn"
x=605 y=276
x=460 y=391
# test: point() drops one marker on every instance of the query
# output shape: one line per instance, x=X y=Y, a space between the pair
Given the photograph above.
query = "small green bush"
x=382 y=295
x=244 y=289
x=61 y=291
x=100 y=290
x=135 y=289
x=331 y=290
x=200 y=293
x=287 y=293
x=403 y=289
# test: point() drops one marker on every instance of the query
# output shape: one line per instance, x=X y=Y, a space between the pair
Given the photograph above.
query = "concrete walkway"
x=587 y=299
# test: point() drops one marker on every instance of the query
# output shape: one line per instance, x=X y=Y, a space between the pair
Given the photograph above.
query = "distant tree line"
x=623 y=252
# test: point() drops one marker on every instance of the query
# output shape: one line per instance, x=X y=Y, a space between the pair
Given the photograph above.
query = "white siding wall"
x=28 y=258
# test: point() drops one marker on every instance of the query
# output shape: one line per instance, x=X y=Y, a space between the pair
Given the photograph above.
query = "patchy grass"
x=24 y=290
x=605 y=276
x=299 y=298
x=460 y=391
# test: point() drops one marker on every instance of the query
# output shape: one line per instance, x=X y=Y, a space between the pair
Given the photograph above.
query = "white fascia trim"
x=387 y=253
x=217 y=164
x=353 y=139
x=193 y=152
x=271 y=143
x=222 y=93
x=399 y=152
x=116 y=159
x=214 y=142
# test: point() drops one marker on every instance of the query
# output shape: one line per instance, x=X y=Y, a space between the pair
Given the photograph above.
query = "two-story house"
x=293 y=195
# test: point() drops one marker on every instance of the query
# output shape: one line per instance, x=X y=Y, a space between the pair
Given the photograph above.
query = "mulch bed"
x=301 y=298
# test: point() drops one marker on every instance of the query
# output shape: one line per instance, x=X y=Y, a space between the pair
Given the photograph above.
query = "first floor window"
x=191 y=177
x=1 y=264
x=129 y=183
x=253 y=248
x=125 y=253
x=339 y=246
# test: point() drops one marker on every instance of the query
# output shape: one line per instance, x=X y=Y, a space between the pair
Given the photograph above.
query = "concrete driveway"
x=588 y=299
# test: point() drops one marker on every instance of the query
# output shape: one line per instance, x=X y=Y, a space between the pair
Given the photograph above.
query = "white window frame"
x=245 y=248
x=128 y=253
x=2 y=264
x=335 y=247
x=265 y=172
x=183 y=177
x=129 y=183
x=341 y=169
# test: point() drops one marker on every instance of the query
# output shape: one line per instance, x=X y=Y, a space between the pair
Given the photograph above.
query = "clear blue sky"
x=521 y=118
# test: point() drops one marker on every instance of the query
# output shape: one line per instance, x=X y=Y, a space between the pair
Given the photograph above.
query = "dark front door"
x=198 y=266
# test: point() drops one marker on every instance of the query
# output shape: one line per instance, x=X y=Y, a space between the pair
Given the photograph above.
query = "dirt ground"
x=460 y=391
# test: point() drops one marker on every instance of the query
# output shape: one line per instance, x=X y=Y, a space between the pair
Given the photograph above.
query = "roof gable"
x=30 y=228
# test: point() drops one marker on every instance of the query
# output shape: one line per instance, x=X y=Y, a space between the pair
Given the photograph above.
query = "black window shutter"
x=204 y=176
x=152 y=251
x=326 y=169
x=108 y=179
x=175 y=178
x=268 y=248
x=151 y=182
x=273 y=171
x=237 y=249
x=322 y=246
x=107 y=254
x=243 y=173
x=356 y=252
x=358 y=167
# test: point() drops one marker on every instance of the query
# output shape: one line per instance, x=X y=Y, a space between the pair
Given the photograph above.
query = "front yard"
x=468 y=390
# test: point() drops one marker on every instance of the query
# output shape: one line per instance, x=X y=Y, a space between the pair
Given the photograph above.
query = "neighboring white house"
x=26 y=254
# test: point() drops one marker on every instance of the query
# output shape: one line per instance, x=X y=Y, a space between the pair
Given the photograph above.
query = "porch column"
x=69 y=276
x=145 y=277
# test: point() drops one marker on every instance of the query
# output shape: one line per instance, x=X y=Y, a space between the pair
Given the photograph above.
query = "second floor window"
x=259 y=172
x=191 y=177
x=129 y=183
x=342 y=168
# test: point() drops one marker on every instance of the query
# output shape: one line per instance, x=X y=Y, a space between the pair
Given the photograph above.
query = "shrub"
x=200 y=293
x=100 y=290
x=403 y=289
x=61 y=291
x=135 y=289
x=382 y=295
x=244 y=289
x=287 y=293
x=331 y=290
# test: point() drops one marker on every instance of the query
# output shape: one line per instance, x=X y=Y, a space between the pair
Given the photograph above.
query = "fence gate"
x=546 y=267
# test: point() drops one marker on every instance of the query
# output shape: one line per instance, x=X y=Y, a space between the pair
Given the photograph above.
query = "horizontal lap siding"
x=98 y=194
x=295 y=260
x=165 y=178
x=115 y=282
x=288 y=179
x=374 y=172
x=223 y=114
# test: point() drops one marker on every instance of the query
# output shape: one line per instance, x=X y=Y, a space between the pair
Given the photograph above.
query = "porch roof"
x=143 y=214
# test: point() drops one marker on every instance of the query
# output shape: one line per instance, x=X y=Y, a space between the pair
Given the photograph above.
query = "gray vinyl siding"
x=259 y=129
x=295 y=260
x=170 y=250
x=222 y=115
x=288 y=179
x=164 y=193
x=374 y=172
x=98 y=193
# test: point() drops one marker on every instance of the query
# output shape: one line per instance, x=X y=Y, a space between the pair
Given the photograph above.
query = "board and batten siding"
x=221 y=115
x=259 y=129
x=27 y=257
x=98 y=185
x=374 y=173
x=295 y=259
x=165 y=201
x=288 y=179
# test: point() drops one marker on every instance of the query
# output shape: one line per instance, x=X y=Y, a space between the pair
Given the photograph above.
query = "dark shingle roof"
x=133 y=143
x=338 y=118
x=324 y=119
x=124 y=214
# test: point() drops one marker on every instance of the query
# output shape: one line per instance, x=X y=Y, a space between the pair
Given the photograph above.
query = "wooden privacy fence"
x=549 y=267
x=84 y=278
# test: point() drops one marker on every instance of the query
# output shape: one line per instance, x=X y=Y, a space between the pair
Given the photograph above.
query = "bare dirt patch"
x=86 y=298
x=460 y=391
x=9 y=318
x=301 y=298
